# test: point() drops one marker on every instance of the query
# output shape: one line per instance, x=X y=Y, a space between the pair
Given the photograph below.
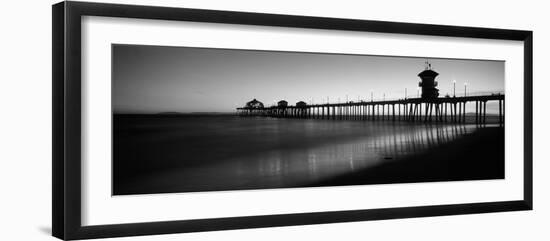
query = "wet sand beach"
x=476 y=156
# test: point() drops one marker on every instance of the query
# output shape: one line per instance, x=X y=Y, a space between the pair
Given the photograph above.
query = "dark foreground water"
x=162 y=153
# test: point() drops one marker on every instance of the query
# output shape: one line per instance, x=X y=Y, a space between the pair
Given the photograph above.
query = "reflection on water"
x=181 y=155
x=295 y=167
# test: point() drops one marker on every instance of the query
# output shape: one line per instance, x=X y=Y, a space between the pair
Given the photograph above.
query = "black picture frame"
x=66 y=198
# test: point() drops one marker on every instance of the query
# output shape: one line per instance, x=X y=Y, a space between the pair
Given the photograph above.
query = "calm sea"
x=188 y=153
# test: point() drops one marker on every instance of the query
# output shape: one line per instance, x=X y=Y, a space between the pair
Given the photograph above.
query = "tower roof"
x=428 y=73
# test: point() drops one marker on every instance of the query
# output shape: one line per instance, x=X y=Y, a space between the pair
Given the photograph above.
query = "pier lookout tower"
x=428 y=83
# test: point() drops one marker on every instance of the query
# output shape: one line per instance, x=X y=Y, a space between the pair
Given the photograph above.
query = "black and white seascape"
x=203 y=119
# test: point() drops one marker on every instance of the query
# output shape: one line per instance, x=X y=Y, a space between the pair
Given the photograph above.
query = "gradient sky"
x=151 y=79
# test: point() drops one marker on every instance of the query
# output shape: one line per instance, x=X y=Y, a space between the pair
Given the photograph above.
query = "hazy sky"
x=150 y=79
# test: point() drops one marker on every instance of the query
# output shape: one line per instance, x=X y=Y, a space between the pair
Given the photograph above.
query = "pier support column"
x=445 y=114
x=412 y=108
x=438 y=112
x=433 y=112
x=464 y=112
x=441 y=113
x=459 y=112
x=427 y=111
x=411 y=112
x=318 y=115
x=415 y=113
x=398 y=111
x=484 y=112
x=455 y=116
x=344 y=112
x=368 y=112
x=437 y=115
x=477 y=114
x=451 y=110
x=393 y=112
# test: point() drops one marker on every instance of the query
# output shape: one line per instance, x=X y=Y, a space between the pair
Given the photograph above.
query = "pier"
x=447 y=109
x=428 y=107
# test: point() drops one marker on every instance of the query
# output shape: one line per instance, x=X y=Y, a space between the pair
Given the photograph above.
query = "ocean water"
x=190 y=153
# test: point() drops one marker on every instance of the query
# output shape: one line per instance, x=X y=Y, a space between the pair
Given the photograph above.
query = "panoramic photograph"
x=188 y=119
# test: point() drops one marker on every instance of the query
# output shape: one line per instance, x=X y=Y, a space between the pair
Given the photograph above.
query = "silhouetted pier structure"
x=429 y=107
x=449 y=109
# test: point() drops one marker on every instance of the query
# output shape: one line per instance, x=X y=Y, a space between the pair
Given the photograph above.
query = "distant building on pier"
x=301 y=104
x=428 y=83
x=254 y=104
x=282 y=103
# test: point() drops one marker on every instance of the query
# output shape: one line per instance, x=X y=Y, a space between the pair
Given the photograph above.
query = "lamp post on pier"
x=454 y=88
